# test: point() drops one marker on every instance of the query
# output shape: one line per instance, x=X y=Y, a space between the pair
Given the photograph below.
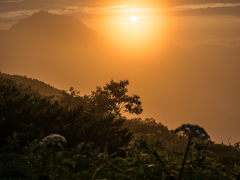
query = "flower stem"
x=158 y=158
x=185 y=157
x=54 y=155
x=43 y=158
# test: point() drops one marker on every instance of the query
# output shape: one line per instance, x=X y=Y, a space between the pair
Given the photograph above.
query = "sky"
x=186 y=22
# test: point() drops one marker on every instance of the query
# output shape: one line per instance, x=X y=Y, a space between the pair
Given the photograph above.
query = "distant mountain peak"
x=42 y=13
x=60 y=27
x=43 y=18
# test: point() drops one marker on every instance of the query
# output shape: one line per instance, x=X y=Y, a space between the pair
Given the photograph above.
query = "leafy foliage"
x=112 y=98
x=145 y=159
x=192 y=131
x=149 y=126
x=43 y=139
x=109 y=99
x=33 y=117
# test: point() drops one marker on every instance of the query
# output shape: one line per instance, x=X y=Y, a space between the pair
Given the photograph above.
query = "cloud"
x=116 y=6
x=174 y=3
x=83 y=9
x=16 y=5
x=208 y=5
x=209 y=11
x=10 y=1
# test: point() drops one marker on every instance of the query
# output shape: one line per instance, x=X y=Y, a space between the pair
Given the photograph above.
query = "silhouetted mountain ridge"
x=41 y=87
x=52 y=46
x=53 y=26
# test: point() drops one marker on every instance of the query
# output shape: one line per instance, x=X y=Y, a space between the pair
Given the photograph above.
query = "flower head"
x=54 y=139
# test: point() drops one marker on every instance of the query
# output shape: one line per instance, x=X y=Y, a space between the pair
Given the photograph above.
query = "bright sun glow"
x=133 y=18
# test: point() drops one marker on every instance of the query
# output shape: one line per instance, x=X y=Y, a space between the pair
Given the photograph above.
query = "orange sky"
x=186 y=22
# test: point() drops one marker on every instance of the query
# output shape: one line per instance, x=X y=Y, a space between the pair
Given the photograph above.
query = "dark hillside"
x=41 y=87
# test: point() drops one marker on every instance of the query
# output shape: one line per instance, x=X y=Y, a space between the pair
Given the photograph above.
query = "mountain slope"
x=41 y=87
x=49 y=46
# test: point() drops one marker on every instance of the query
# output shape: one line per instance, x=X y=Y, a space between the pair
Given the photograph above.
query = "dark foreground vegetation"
x=86 y=137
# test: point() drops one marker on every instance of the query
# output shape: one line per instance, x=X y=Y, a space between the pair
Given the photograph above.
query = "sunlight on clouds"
x=208 y=5
x=96 y=10
x=110 y=20
x=15 y=14
x=130 y=22
x=125 y=23
x=11 y=1
x=134 y=10
x=92 y=10
x=114 y=7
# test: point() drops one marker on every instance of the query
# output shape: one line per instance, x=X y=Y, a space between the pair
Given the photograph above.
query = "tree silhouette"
x=32 y=116
x=112 y=98
x=192 y=131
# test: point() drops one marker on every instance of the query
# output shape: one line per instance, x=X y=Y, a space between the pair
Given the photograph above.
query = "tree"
x=112 y=99
x=192 y=131
x=71 y=98
x=32 y=117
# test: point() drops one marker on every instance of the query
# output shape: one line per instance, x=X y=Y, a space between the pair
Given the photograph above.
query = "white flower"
x=54 y=139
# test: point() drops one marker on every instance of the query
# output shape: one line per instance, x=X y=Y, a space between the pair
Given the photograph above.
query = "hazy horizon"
x=180 y=58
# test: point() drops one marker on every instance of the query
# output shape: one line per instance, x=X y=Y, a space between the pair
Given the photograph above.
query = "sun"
x=133 y=18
